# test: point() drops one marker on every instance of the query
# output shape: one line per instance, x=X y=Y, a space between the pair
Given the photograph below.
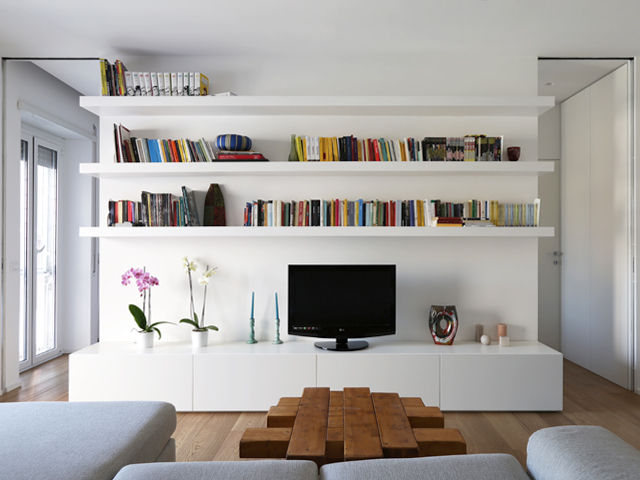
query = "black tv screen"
x=342 y=301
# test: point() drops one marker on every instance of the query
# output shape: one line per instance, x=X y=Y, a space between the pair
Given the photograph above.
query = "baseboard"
x=10 y=388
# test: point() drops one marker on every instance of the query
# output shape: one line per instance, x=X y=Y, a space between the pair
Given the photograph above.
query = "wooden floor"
x=588 y=400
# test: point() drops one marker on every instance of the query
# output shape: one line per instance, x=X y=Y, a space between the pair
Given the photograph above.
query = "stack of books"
x=470 y=148
x=118 y=81
x=240 y=156
x=158 y=150
x=156 y=210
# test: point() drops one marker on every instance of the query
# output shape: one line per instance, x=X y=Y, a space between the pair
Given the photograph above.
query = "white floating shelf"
x=338 y=232
x=119 y=170
x=320 y=105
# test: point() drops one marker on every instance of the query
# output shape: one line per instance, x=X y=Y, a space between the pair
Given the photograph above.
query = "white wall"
x=549 y=191
x=2 y=243
x=433 y=73
x=74 y=268
x=28 y=83
x=490 y=281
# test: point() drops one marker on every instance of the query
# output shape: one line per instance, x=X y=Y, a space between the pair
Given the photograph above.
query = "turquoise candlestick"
x=277 y=340
x=252 y=323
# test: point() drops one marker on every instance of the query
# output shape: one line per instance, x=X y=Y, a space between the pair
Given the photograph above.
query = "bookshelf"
x=325 y=232
x=313 y=105
x=124 y=170
x=490 y=273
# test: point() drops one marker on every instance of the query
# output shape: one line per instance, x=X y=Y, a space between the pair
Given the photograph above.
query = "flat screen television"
x=342 y=302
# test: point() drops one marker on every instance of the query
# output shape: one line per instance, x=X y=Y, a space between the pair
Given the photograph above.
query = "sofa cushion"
x=584 y=452
x=83 y=440
x=250 y=470
x=451 y=467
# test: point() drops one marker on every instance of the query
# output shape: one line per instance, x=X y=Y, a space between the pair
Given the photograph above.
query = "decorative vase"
x=214 y=215
x=145 y=340
x=443 y=324
x=293 y=152
x=199 y=339
x=513 y=154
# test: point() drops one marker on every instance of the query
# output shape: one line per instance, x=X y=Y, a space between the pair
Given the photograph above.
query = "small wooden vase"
x=443 y=324
x=214 y=215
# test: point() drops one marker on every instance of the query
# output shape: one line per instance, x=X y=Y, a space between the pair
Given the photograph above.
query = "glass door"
x=38 y=242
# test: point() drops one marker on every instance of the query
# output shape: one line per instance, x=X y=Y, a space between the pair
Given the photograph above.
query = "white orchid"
x=206 y=275
x=194 y=321
x=189 y=266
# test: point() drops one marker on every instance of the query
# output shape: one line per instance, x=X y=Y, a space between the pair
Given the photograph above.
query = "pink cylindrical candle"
x=502 y=330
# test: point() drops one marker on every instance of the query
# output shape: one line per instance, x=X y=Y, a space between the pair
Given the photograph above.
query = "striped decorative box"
x=237 y=143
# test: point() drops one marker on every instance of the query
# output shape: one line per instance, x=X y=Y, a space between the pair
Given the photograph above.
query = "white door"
x=38 y=327
x=595 y=235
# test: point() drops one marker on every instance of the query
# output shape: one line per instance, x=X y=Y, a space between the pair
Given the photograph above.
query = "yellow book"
x=345 y=215
x=386 y=146
x=333 y=213
x=304 y=149
x=201 y=84
x=360 y=151
x=103 y=77
x=336 y=155
x=183 y=154
x=299 y=148
x=324 y=150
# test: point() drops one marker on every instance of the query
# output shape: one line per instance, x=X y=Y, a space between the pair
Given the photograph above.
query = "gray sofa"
x=567 y=453
x=82 y=440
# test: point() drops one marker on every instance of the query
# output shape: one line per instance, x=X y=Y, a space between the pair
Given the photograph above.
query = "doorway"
x=38 y=210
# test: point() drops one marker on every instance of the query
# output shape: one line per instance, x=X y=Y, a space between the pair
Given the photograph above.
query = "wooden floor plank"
x=396 y=435
x=588 y=399
x=361 y=438
x=309 y=434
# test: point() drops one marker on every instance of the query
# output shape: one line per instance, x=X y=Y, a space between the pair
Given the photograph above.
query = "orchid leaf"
x=190 y=322
x=158 y=332
x=159 y=323
x=212 y=327
x=139 y=317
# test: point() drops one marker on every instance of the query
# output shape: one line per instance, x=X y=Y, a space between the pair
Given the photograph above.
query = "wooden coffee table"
x=332 y=426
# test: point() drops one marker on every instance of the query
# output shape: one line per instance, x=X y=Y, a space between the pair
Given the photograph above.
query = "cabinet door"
x=135 y=376
x=409 y=375
x=501 y=382
x=249 y=382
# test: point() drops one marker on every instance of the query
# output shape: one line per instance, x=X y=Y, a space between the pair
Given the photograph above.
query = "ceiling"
x=564 y=78
x=328 y=27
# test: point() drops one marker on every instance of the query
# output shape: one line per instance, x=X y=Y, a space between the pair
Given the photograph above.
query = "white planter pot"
x=145 y=340
x=199 y=339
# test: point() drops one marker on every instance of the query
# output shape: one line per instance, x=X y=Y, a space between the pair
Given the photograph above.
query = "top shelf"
x=300 y=169
x=521 y=106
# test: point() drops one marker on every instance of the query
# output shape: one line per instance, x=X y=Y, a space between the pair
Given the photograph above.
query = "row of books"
x=156 y=210
x=156 y=150
x=118 y=81
x=391 y=213
x=470 y=148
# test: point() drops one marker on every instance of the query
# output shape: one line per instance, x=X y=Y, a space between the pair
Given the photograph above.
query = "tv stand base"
x=341 y=345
